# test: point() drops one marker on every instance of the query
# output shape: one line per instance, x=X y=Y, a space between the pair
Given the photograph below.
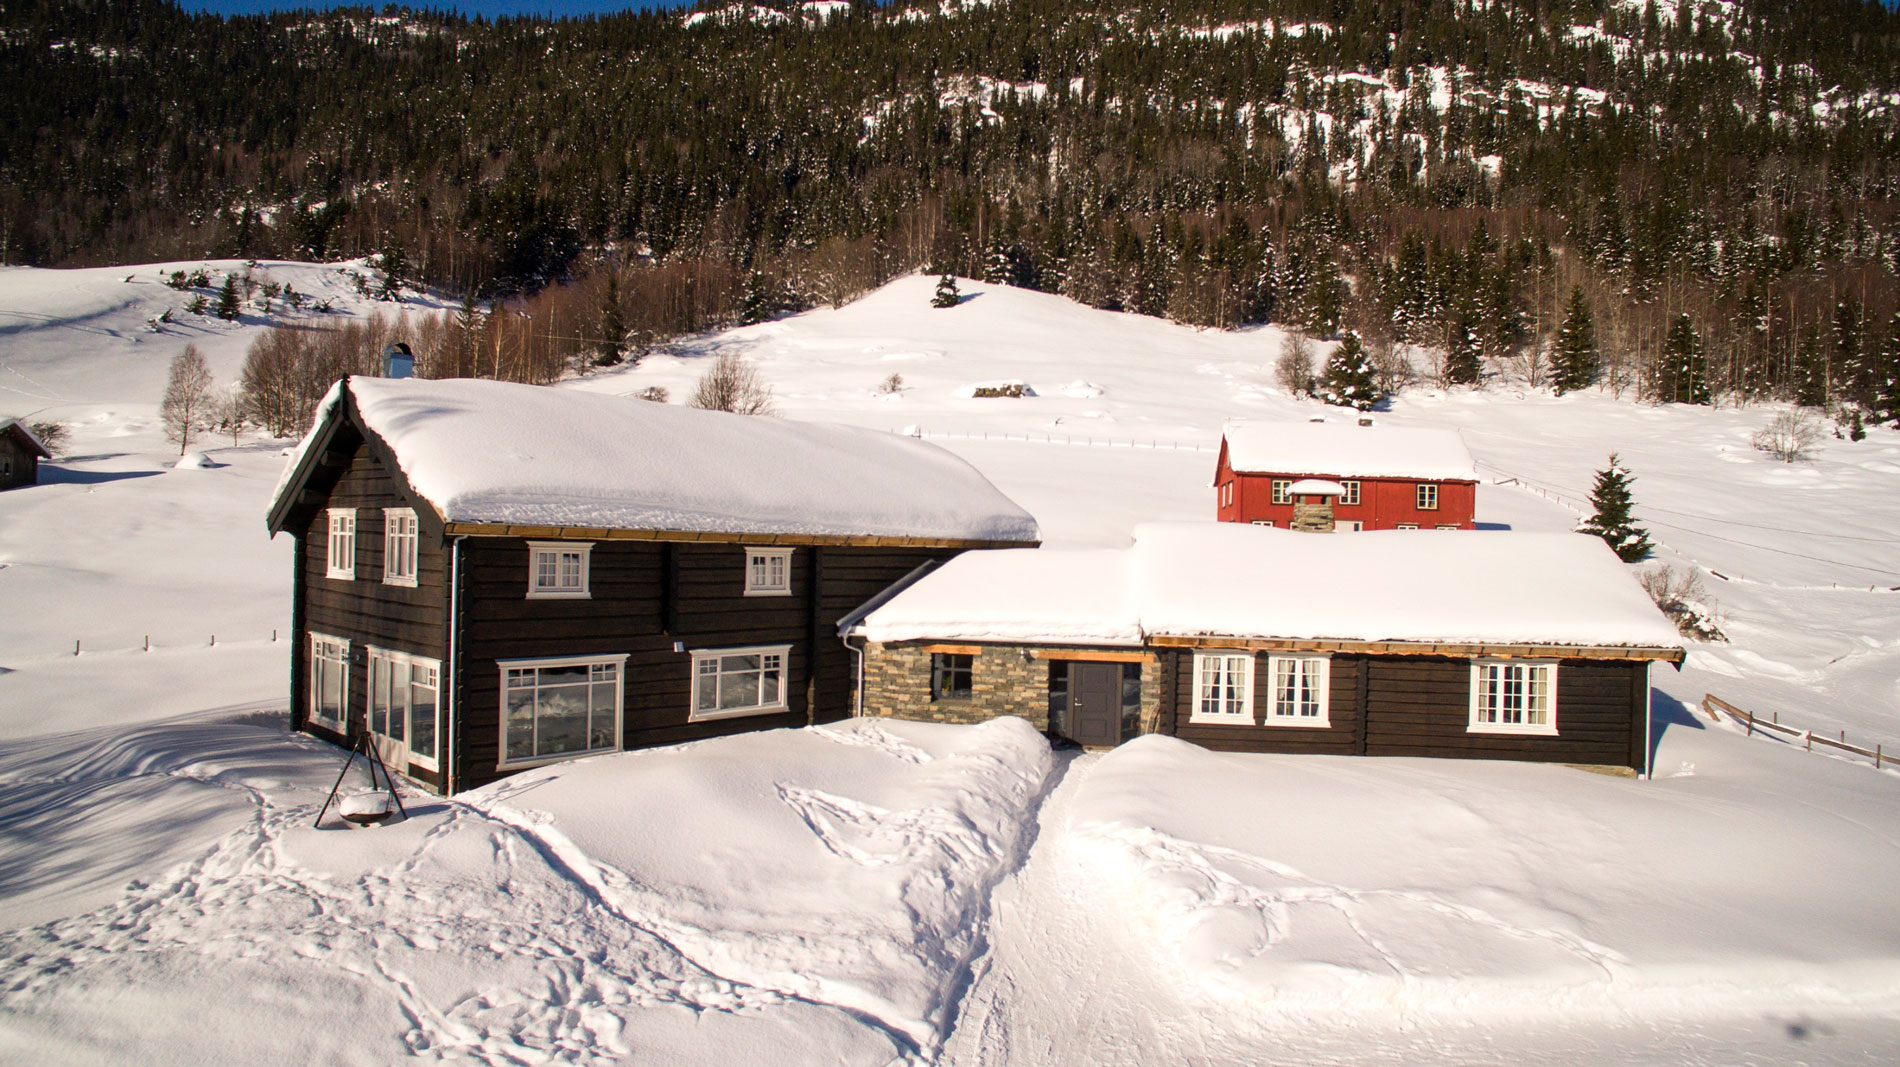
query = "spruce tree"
x=1349 y=380
x=758 y=304
x=1682 y=375
x=610 y=349
x=1886 y=409
x=1612 y=519
x=228 y=299
x=947 y=295
x=1810 y=371
x=1576 y=361
x=1463 y=366
x=395 y=265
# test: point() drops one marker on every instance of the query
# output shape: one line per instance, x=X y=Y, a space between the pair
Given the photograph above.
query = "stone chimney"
x=1313 y=504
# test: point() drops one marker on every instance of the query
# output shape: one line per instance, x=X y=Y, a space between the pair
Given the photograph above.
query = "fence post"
x=1809 y=736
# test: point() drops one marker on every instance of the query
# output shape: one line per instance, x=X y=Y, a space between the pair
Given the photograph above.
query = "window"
x=1263 y=522
x=1348 y=525
x=1227 y=494
x=342 y=544
x=1299 y=690
x=400 y=538
x=329 y=680
x=1223 y=686
x=557 y=708
x=1283 y=490
x=1513 y=697
x=1351 y=495
x=739 y=681
x=557 y=570
x=1427 y=497
x=768 y=572
x=403 y=696
x=1407 y=526
x=1446 y=526
x=951 y=674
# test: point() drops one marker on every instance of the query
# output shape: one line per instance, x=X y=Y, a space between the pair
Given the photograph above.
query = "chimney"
x=398 y=362
x=1313 y=504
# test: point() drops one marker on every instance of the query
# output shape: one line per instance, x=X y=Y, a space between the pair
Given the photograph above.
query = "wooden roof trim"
x=591 y=533
x=319 y=455
x=1425 y=648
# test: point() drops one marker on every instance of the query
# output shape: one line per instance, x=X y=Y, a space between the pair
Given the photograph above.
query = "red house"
x=1393 y=479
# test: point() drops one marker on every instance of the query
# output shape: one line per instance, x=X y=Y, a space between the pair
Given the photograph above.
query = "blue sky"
x=490 y=8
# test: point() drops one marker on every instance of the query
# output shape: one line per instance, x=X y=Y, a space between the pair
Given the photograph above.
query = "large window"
x=1299 y=690
x=1427 y=497
x=1513 y=697
x=401 y=536
x=342 y=562
x=404 y=692
x=1283 y=490
x=329 y=680
x=739 y=681
x=1223 y=687
x=557 y=708
x=1351 y=495
x=557 y=570
x=768 y=572
x=951 y=675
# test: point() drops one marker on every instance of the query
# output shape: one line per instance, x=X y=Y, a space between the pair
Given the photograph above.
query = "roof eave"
x=1524 y=650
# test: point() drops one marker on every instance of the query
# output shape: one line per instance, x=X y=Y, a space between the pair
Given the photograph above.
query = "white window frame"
x=1262 y=522
x=760 y=579
x=382 y=664
x=617 y=662
x=1486 y=719
x=1351 y=495
x=1282 y=490
x=1320 y=680
x=1234 y=671
x=341 y=545
x=402 y=544
x=1447 y=526
x=341 y=648
x=1227 y=493
x=1428 y=496
x=1348 y=525
x=560 y=590
x=1407 y=526
x=718 y=655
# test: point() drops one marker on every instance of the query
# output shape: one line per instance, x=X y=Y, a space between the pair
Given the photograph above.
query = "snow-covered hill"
x=865 y=894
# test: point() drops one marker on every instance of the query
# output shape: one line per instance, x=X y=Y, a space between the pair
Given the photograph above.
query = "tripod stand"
x=367 y=748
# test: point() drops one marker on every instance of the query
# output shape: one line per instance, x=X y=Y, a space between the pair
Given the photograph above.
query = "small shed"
x=20 y=454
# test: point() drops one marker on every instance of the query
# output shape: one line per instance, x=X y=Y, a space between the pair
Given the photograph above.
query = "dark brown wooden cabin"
x=20 y=455
x=463 y=671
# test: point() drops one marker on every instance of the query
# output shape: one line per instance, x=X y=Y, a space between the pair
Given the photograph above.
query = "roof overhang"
x=1422 y=648
x=589 y=533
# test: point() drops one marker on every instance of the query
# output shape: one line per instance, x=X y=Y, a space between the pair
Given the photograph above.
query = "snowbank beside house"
x=1347 y=892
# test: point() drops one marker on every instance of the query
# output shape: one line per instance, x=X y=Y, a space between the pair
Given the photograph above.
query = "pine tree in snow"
x=1682 y=375
x=1576 y=361
x=947 y=295
x=758 y=303
x=1462 y=363
x=1613 y=521
x=1886 y=408
x=1349 y=380
x=1810 y=371
x=228 y=299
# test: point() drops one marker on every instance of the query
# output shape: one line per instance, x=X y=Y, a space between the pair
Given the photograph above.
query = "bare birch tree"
x=188 y=397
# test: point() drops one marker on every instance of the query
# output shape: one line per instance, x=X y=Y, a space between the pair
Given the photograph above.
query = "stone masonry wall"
x=1002 y=682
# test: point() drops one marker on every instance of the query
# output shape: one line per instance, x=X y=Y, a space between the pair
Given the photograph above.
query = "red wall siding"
x=1384 y=503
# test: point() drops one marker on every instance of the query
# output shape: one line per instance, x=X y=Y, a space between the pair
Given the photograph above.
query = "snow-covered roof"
x=1316 y=487
x=13 y=425
x=1236 y=580
x=1344 y=450
x=498 y=453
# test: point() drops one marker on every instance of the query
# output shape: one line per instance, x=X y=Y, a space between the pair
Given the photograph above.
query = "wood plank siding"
x=1421 y=706
x=644 y=597
x=364 y=610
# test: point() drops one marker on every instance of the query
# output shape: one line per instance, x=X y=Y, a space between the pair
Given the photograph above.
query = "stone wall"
x=1003 y=681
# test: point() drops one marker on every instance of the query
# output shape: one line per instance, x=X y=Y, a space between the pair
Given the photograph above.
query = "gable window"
x=1223 y=687
x=559 y=708
x=1513 y=697
x=1283 y=490
x=329 y=680
x=1427 y=497
x=401 y=536
x=768 y=572
x=403 y=696
x=739 y=681
x=951 y=675
x=557 y=570
x=1351 y=495
x=1299 y=690
x=342 y=544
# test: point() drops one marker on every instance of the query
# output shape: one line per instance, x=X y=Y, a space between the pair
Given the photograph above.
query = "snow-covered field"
x=876 y=892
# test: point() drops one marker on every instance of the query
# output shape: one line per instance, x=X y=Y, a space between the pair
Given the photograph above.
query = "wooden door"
x=1095 y=703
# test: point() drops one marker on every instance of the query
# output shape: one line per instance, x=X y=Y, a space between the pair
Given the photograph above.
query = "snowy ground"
x=873 y=892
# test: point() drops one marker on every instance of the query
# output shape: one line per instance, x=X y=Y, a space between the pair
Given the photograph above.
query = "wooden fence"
x=1711 y=703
